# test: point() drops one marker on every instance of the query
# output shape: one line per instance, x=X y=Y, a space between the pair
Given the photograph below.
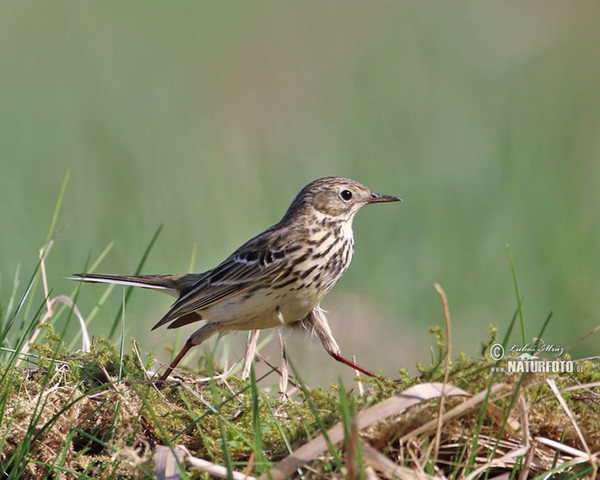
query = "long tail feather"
x=171 y=284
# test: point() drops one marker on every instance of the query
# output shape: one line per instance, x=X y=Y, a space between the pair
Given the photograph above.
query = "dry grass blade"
x=438 y=433
x=370 y=473
x=526 y=435
x=215 y=470
x=351 y=451
x=519 y=452
x=528 y=463
x=392 y=406
x=250 y=464
x=561 y=447
x=389 y=469
x=552 y=383
x=166 y=464
x=461 y=409
x=523 y=413
x=583 y=386
x=51 y=304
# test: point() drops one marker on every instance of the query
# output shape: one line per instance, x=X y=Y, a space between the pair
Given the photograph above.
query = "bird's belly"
x=264 y=308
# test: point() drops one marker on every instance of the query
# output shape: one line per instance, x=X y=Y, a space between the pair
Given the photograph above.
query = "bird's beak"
x=380 y=198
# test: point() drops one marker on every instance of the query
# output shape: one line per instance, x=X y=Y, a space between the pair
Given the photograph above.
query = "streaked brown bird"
x=276 y=278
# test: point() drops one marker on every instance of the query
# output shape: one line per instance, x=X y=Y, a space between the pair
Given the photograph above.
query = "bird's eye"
x=346 y=195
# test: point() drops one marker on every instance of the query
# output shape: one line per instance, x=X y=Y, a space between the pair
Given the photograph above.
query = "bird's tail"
x=171 y=284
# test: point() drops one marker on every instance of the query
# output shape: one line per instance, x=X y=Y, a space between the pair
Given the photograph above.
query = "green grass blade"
x=262 y=464
x=122 y=342
x=57 y=205
x=348 y=413
x=514 y=396
x=277 y=423
x=100 y=302
x=215 y=410
x=313 y=408
x=129 y=290
x=12 y=318
x=13 y=294
x=49 y=241
x=517 y=294
x=20 y=340
x=224 y=446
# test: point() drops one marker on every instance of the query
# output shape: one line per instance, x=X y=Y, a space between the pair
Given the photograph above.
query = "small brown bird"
x=277 y=278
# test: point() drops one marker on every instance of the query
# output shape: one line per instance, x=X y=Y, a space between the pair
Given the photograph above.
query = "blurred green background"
x=209 y=118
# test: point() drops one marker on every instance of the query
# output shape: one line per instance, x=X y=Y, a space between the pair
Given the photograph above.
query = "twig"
x=137 y=354
x=277 y=370
x=581 y=339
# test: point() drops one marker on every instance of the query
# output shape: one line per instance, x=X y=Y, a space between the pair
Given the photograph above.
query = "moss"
x=107 y=428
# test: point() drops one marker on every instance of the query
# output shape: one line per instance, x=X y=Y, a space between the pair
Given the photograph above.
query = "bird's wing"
x=259 y=262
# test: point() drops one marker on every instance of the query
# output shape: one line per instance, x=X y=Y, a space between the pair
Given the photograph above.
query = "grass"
x=97 y=414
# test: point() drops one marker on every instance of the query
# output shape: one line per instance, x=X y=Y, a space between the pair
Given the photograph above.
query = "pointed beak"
x=380 y=198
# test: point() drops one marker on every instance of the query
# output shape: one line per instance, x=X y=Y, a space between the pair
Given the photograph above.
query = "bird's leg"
x=195 y=339
x=318 y=321
x=283 y=381
x=250 y=353
x=321 y=327
x=177 y=359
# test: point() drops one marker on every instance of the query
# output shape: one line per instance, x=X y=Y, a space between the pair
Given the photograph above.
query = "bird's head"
x=335 y=197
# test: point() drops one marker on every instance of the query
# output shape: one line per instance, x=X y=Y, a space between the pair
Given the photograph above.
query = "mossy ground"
x=96 y=415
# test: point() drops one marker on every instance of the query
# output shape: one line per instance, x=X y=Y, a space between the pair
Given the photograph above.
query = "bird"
x=277 y=278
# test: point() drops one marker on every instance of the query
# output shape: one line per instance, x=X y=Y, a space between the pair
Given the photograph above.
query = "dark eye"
x=346 y=195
